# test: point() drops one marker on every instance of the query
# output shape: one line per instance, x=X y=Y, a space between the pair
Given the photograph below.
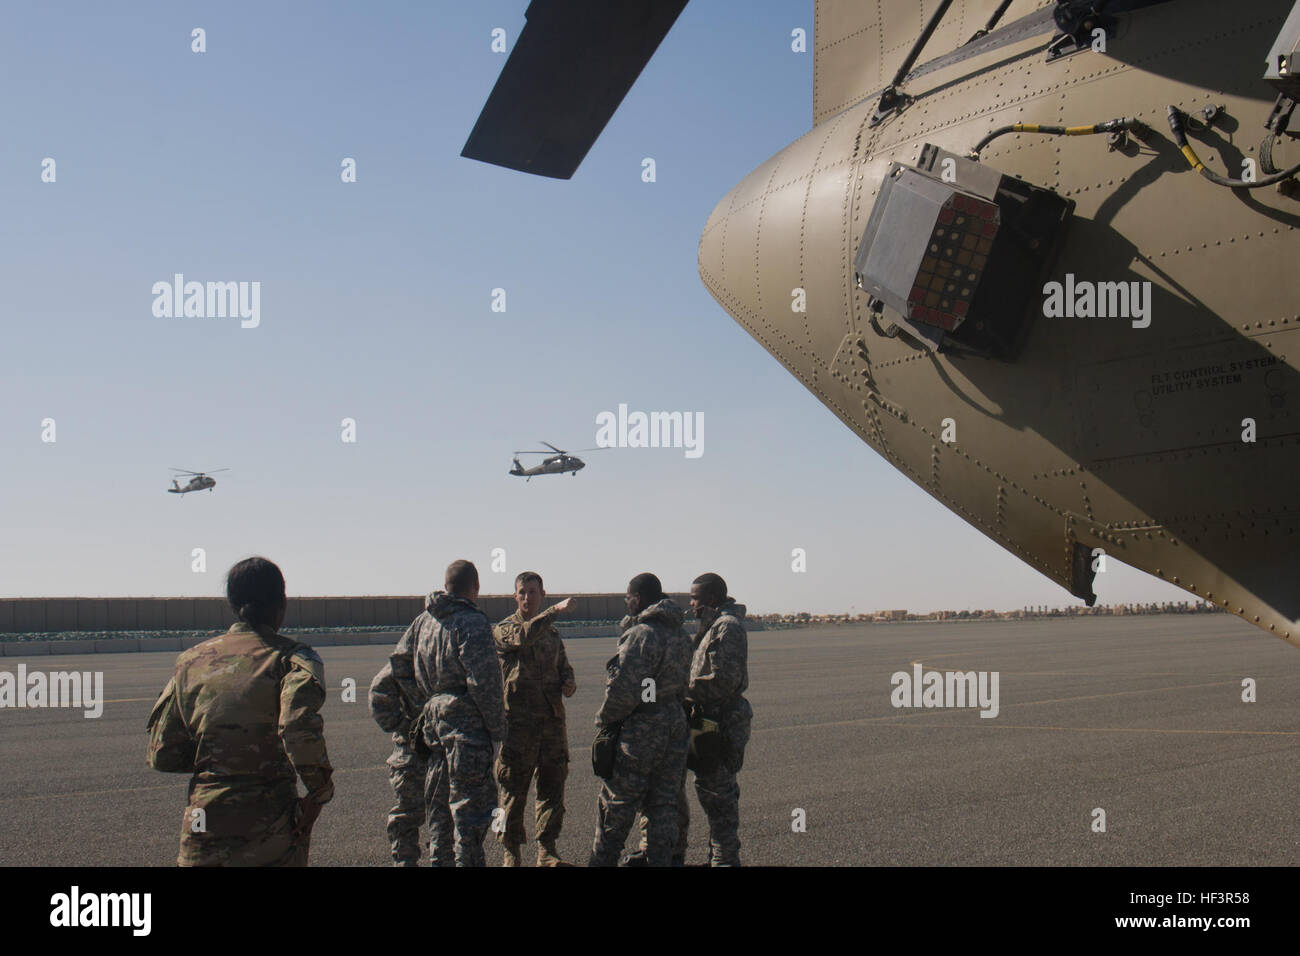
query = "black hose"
x=1110 y=126
x=1178 y=126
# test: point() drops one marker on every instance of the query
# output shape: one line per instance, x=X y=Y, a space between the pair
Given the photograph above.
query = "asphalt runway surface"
x=1140 y=716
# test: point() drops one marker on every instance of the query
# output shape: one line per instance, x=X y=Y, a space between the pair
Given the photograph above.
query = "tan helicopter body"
x=1040 y=404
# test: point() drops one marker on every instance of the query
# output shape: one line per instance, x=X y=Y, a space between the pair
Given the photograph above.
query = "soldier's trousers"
x=459 y=793
x=407 y=777
x=719 y=796
x=683 y=825
x=648 y=771
x=534 y=746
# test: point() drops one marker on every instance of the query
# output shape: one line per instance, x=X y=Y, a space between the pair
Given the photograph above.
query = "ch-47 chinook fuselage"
x=1079 y=344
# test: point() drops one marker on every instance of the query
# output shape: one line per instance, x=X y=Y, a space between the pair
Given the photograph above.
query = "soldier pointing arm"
x=537 y=677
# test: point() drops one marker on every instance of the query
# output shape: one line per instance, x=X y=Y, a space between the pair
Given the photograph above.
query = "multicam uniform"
x=535 y=669
x=406 y=766
x=651 y=756
x=447 y=666
x=242 y=714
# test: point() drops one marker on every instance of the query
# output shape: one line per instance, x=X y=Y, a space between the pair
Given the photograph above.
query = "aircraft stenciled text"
x=1206 y=376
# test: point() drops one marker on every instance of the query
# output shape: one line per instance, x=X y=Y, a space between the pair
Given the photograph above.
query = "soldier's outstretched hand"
x=564 y=605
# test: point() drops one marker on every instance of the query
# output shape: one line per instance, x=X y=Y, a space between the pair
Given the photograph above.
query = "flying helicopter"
x=199 y=481
x=1045 y=267
x=559 y=462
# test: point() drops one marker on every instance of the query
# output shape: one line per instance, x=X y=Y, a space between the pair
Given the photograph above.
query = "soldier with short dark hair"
x=715 y=692
x=537 y=678
x=446 y=665
x=643 y=697
x=718 y=679
x=241 y=714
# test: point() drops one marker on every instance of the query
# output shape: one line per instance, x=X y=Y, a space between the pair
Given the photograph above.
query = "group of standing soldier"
x=454 y=690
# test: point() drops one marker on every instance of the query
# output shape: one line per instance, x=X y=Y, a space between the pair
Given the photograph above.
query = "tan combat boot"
x=512 y=855
x=547 y=855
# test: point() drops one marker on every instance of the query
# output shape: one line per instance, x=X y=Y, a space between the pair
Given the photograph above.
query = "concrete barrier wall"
x=61 y=615
x=55 y=615
x=175 y=644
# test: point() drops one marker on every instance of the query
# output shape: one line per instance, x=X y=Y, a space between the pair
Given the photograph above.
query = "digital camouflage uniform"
x=718 y=679
x=651 y=755
x=535 y=670
x=246 y=705
x=406 y=767
x=446 y=664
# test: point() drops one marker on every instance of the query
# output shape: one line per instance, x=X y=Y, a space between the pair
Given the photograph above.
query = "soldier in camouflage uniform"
x=241 y=714
x=446 y=665
x=537 y=679
x=719 y=678
x=647 y=681
x=406 y=766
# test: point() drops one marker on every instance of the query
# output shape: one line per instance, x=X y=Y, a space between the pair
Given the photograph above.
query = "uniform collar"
x=243 y=627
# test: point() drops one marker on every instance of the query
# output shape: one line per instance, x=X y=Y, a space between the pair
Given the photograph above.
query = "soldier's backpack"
x=604 y=748
x=171 y=748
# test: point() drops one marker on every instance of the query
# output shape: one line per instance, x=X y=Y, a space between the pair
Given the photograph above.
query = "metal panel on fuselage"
x=1099 y=433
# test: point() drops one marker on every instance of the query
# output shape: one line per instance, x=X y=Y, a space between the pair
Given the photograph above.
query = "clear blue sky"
x=375 y=305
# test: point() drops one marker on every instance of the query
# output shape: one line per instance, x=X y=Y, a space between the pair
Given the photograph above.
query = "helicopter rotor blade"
x=559 y=451
x=533 y=453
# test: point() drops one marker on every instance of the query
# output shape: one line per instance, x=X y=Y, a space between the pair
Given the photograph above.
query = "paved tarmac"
x=1140 y=716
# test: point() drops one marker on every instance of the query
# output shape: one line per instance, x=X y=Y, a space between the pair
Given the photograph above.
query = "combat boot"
x=547 y=855
x=512 y=855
